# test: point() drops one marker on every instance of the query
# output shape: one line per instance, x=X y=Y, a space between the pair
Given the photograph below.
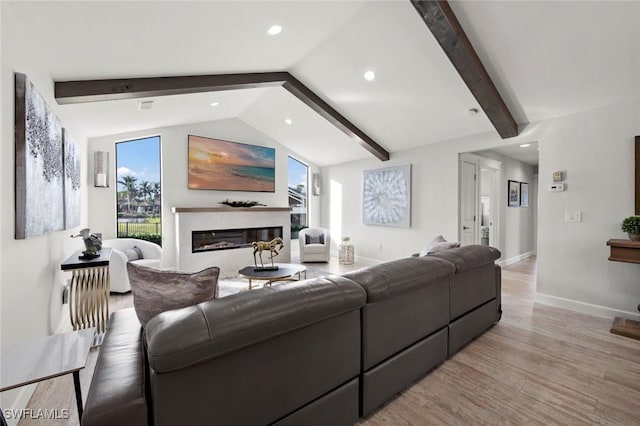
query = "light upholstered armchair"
x=130 y=250
x=315 y=245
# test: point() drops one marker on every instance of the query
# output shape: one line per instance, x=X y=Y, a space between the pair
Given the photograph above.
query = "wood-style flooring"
x=538 y=365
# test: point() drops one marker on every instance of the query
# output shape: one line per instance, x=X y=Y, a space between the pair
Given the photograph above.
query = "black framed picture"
x=513 y=193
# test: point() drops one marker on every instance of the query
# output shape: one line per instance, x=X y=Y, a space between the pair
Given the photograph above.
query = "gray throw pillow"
x=131 y=254
x=314 y=239
x=138 y=252
x=155 y=290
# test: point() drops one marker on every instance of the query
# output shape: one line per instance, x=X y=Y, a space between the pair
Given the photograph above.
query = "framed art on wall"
x=524 y=194
x=230 y=166
x=71 y=167
x=513 y=193
x=39 y=174
x=386 y=196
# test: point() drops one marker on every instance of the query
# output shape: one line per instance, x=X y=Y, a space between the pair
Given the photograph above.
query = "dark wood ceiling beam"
x=71 y=92
x=313 y=101
x=444 y=26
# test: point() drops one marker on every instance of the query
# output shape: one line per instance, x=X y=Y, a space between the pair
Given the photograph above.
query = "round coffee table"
x=285 y=272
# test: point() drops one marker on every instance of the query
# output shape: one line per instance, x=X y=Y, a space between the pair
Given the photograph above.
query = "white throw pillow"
x=438 y=244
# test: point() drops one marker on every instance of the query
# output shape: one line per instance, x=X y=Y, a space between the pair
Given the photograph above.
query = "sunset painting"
x=230 y=166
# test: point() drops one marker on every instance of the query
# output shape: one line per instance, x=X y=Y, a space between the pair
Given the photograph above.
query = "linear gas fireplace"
x=227 y=239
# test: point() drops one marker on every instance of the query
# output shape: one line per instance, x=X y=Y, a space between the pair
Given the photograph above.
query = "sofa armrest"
x=183 y=337
x=119 y=278
x=149 y=250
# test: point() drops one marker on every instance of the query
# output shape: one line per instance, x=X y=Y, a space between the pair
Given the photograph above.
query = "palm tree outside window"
x=139 y=194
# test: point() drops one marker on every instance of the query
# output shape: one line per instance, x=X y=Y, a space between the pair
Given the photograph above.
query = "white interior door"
x=488 y=205
x=468 y=203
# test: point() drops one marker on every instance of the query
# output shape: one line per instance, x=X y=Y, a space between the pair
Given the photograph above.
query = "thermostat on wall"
x=556 y=187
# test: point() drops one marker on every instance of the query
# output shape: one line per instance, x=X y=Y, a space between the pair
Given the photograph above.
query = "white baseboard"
x=584 y=308
x=516 y=259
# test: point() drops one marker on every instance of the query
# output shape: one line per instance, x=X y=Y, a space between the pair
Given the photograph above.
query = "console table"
x=625 y=251
x=89 y=291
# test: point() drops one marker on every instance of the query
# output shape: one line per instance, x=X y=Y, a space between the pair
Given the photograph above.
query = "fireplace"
x=228 y=239
x=193 y=220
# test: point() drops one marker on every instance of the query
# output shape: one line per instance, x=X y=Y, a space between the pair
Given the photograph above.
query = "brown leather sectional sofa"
x=323 y=351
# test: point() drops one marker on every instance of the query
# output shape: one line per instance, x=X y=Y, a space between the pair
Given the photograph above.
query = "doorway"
x=479 y=200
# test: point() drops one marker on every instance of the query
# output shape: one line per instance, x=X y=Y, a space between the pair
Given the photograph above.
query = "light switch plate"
x=573 y=216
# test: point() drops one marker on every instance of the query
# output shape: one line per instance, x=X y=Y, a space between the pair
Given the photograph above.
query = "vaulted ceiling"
x=546 y=59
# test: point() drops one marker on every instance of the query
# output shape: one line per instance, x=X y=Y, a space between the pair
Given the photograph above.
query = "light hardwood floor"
x=538 y=365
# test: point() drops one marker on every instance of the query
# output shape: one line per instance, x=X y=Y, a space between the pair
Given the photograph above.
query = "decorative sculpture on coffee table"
x=92 y=244
x=273 y=246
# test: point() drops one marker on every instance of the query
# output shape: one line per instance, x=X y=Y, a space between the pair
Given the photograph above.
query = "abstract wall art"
x=386 y=196
x=39 y=179
x=71 y=165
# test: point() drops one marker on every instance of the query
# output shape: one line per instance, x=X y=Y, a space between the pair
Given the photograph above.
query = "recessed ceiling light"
x=215 y=104
x=274 y=30
x=369 y=75
x=525 y=145
x=288 y=121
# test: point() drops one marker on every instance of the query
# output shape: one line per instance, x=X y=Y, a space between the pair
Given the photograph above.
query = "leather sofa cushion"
x=117 y=392
x=400 y=276
x=180 y=338
x=470 y=289
x=469 y=257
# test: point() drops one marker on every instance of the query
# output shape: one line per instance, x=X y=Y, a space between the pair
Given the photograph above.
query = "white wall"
x=434 y=194
x=30 y=277
x=175 y=192
x=595 y=148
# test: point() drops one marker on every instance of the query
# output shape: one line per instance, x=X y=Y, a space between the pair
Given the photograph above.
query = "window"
x=298 y=184
x=138 y=194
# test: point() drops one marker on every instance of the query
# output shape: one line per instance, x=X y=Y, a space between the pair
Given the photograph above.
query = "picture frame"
x=39 y=173
x=216 y=164
x=513 y=193
x=524 y=194
x=386 y=196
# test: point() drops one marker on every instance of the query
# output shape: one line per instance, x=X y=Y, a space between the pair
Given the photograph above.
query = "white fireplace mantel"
x=189 y=219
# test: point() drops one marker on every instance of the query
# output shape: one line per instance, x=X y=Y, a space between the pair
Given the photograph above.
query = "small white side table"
x=346 y=254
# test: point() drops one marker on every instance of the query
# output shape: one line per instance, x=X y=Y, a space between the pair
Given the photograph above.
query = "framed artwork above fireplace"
x=230 y=166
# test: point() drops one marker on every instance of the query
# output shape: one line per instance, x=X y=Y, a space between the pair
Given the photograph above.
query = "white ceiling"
x=546 y=58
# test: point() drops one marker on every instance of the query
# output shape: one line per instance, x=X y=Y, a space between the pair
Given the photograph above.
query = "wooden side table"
x=625 y=251
x=46 y=358
x=89 y=291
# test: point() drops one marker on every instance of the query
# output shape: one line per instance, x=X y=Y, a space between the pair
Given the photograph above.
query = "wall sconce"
x=101 y=169
x=315 y=184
